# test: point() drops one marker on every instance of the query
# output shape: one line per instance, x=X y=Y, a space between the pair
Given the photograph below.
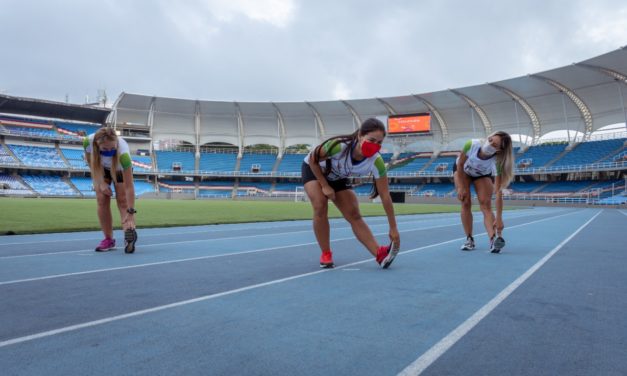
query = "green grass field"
x=33 y=215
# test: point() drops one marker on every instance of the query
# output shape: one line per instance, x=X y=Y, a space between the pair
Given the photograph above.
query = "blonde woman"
x=109 y=156
x=489 y=165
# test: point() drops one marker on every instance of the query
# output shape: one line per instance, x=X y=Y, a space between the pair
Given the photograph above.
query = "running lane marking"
x=437 y=350
x=272 y=234
x=89 y=324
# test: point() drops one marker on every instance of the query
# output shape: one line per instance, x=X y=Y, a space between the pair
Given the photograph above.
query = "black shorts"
x=337 y=185
x=473 y=178
x=107 y=176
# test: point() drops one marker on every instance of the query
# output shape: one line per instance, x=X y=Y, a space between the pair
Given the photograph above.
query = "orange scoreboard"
x=415 y=123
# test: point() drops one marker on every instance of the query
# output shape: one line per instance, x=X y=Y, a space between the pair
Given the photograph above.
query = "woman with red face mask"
x=326 y=172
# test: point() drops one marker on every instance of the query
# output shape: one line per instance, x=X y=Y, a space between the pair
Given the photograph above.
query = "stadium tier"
x=142 y=163
x=217 y=161
x=442 y=164
x=76 y=158
x=590 y=152
x=410 y=165
x=175 y=161
x=435 y=189
x=49 y=185
x=38 y=156
x=6 y=159
x=77 y=128
x=84 y=186
x=13 y=186
x=539 y=155
x=253 y=162
x=291 y=163
x=180 y=145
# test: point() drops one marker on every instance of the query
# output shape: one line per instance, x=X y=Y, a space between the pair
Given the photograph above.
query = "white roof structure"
x=580 y=97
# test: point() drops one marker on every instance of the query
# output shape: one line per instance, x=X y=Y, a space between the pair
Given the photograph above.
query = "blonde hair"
x=505 y=158
x=95 y=165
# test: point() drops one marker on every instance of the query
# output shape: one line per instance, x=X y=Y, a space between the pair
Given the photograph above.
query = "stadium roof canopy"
x=580 y=97
x=59 y=110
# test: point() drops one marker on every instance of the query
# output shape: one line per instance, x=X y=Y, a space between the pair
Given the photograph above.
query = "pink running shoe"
x=106 y=245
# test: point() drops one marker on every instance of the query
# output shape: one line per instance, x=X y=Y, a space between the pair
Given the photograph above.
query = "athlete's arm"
x=129 y=187
x=317 y=171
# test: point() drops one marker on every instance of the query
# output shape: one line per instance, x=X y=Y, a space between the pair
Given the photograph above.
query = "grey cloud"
x=374 y=48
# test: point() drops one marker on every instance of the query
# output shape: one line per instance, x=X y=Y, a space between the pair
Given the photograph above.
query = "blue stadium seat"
x=218 y=162
x=167 y=159
x=49 y=185
x=38 y=156
x=256 y=162
x=589 y=152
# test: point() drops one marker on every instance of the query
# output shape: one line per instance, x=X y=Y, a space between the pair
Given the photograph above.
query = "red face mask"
x=368 y=149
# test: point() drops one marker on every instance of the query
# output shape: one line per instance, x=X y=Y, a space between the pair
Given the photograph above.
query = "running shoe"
x=130 y=237
x=386 y=255
x=105 y=245
x=326 y=260
x=496 y=244
x=469 y=245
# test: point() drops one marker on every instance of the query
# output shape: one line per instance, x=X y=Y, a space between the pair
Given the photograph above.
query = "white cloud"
x=200 y=20
x=293 y=50
x=341 y=91
x=607 y=30
x=275 y=12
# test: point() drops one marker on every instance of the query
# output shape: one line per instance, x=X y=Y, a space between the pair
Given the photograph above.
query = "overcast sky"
x=291 y=50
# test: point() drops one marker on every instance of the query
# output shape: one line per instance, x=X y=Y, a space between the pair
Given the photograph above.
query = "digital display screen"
x=416 y=123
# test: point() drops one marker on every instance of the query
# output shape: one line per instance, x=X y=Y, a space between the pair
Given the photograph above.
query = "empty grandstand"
x=213 y=149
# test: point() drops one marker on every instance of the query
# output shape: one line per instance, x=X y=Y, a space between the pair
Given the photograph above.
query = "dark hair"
x=369 y=125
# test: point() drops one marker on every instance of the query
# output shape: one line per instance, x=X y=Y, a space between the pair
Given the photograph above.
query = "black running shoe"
x=496 y=244
x=130 y=237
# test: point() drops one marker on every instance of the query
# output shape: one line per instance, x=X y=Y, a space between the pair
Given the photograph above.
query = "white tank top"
x=475 y=166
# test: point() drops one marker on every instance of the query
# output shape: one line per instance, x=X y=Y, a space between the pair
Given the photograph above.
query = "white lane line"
x=441 y=216
x=206 y=240
x=198 y=258
x=89 y=324
x=241 y=237
x=238 y=253
x=208 y=231
x=189 y=301
x=431 y=355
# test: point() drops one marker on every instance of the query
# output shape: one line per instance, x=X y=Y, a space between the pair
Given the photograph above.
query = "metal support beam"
x=438 y=116
x=391 y=110
x=112 y=118
x=617 y=76
x=197 y=127
x=356 y=117
x=319 y=123
x=240 y=129
x=579 y=103
x=533 y=116
x=151 y=121
x=487 y=125
x=281 y=130
x=606 y=71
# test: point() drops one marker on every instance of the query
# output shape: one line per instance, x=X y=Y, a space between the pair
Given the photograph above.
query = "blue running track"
x=250 y=299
